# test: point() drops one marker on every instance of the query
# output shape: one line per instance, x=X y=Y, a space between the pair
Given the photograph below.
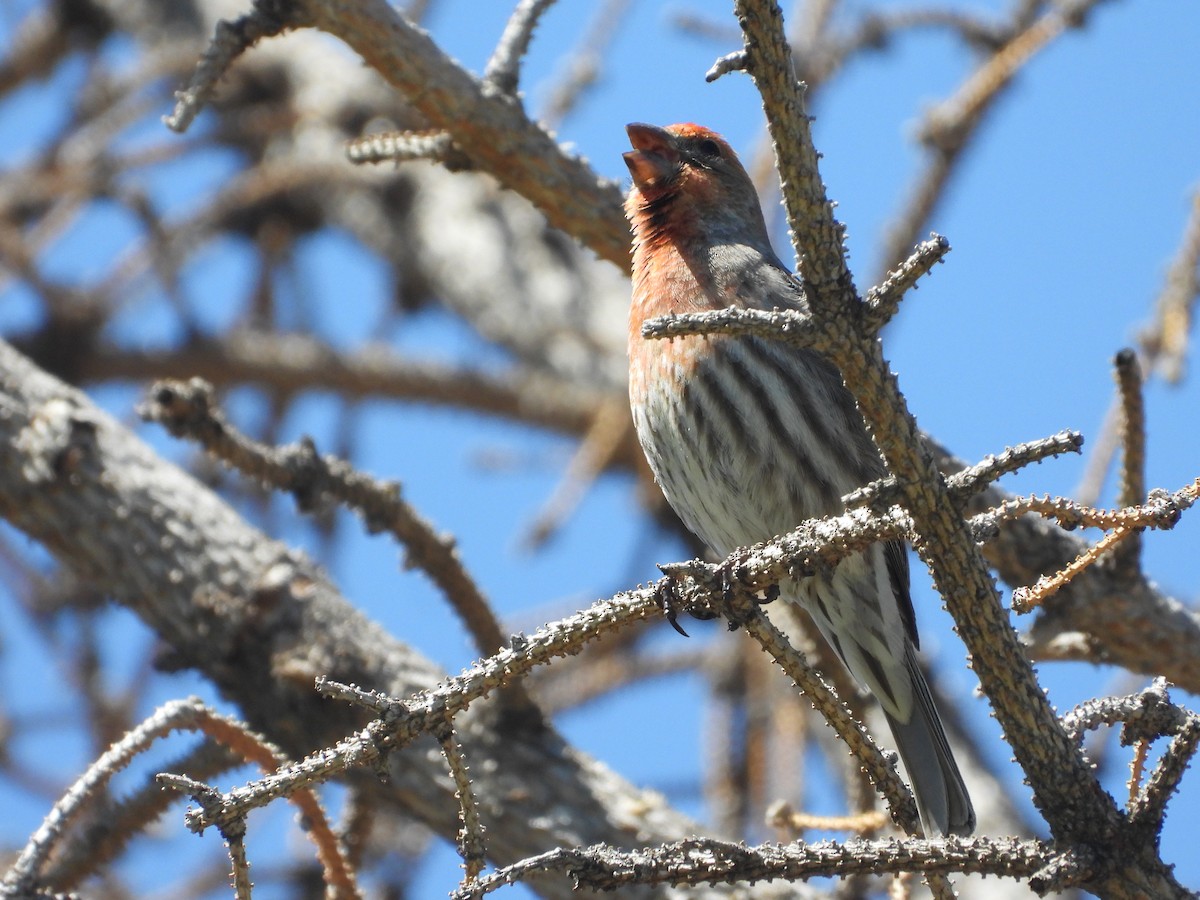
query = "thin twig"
x=1137 y=769
x=357 y=821
x=107 y=836
x=403 y=722
x=402 y=146
x=503 y=70
x=287 y=364
x=927 y=190
x=942 y=122
x=730 y=62
x=190 y=715
x=948 y=127
x=744 y=610
x=786 y=325
x=471 y=846
x=189 y=410
x=968 y=482
x=783 y=816
x=1151 y=805
x=611 y=429
x=583 y=63
x=235 y=842
x=1103 y=450
x=877 y=28
x=230 y=41
x=1161 y=510
x=340 y=878
x=1148 y=713
x=883 y=302
x=1165 y=342
x=1163 y=348
x=1127 y=557
x=1027 y=599
x=490 y=126
x=35 y=46
x=701 y=861
x=709 y=28
x=818 y=238
x=23 y=874
x=569 y=687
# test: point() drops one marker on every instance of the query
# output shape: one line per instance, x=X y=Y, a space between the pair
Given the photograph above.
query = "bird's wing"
x=895 y=556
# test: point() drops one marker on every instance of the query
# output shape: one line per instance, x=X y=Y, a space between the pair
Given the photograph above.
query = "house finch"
x=748 y=437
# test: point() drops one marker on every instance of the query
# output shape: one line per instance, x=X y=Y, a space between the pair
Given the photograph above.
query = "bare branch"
x=883 y=302
x=584 y=63
x=1165 y=341
x=786 y=325
x=611 y=430
x=1127 y=557
x=945 y=122
x=85 y=850
x=1064 y=786
x=1151 y=805
x=817 y=237
x=471 y=846
x=1163 y=346
x=949 y=126
x=400 y=146
x=1148 y=713
x=287 y=622
x=488 y=125
x=189 y=410
x=742 y=609
x=1162 y=510
x=503 y=69
x=1137 y=769
x=1025 y=599
x=190 y=715
x=235 y=841
x=290 y=363
x=781 y=815
x=404 y=722
x=706 y=861
x=22 y=876
x=231 y=40
x=971 y=480
x=730 y=62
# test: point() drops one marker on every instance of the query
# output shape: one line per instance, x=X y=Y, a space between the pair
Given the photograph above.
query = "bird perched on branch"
x=748 y=437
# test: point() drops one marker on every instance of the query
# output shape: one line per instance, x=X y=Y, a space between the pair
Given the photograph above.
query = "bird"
x=748 y=437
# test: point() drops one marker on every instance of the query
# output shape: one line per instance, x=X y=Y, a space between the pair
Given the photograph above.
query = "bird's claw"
x=671 y=599
x=672 y=617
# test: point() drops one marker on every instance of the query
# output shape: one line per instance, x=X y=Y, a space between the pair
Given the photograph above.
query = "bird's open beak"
x=654 y=159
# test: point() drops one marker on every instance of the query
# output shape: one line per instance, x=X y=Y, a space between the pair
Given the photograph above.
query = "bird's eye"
x=709 y=147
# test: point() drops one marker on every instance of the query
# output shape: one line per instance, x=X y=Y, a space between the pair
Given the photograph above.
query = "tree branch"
x=262 y=623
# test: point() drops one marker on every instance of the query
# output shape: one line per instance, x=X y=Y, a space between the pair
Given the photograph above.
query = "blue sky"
x=1062 y=220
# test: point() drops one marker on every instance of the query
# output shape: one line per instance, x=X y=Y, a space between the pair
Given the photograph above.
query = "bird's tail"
x=941 y=795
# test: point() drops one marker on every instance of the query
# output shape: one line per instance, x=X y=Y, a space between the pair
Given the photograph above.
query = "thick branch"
x=487 y=123
x=818 y=238
x=1065 y=788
